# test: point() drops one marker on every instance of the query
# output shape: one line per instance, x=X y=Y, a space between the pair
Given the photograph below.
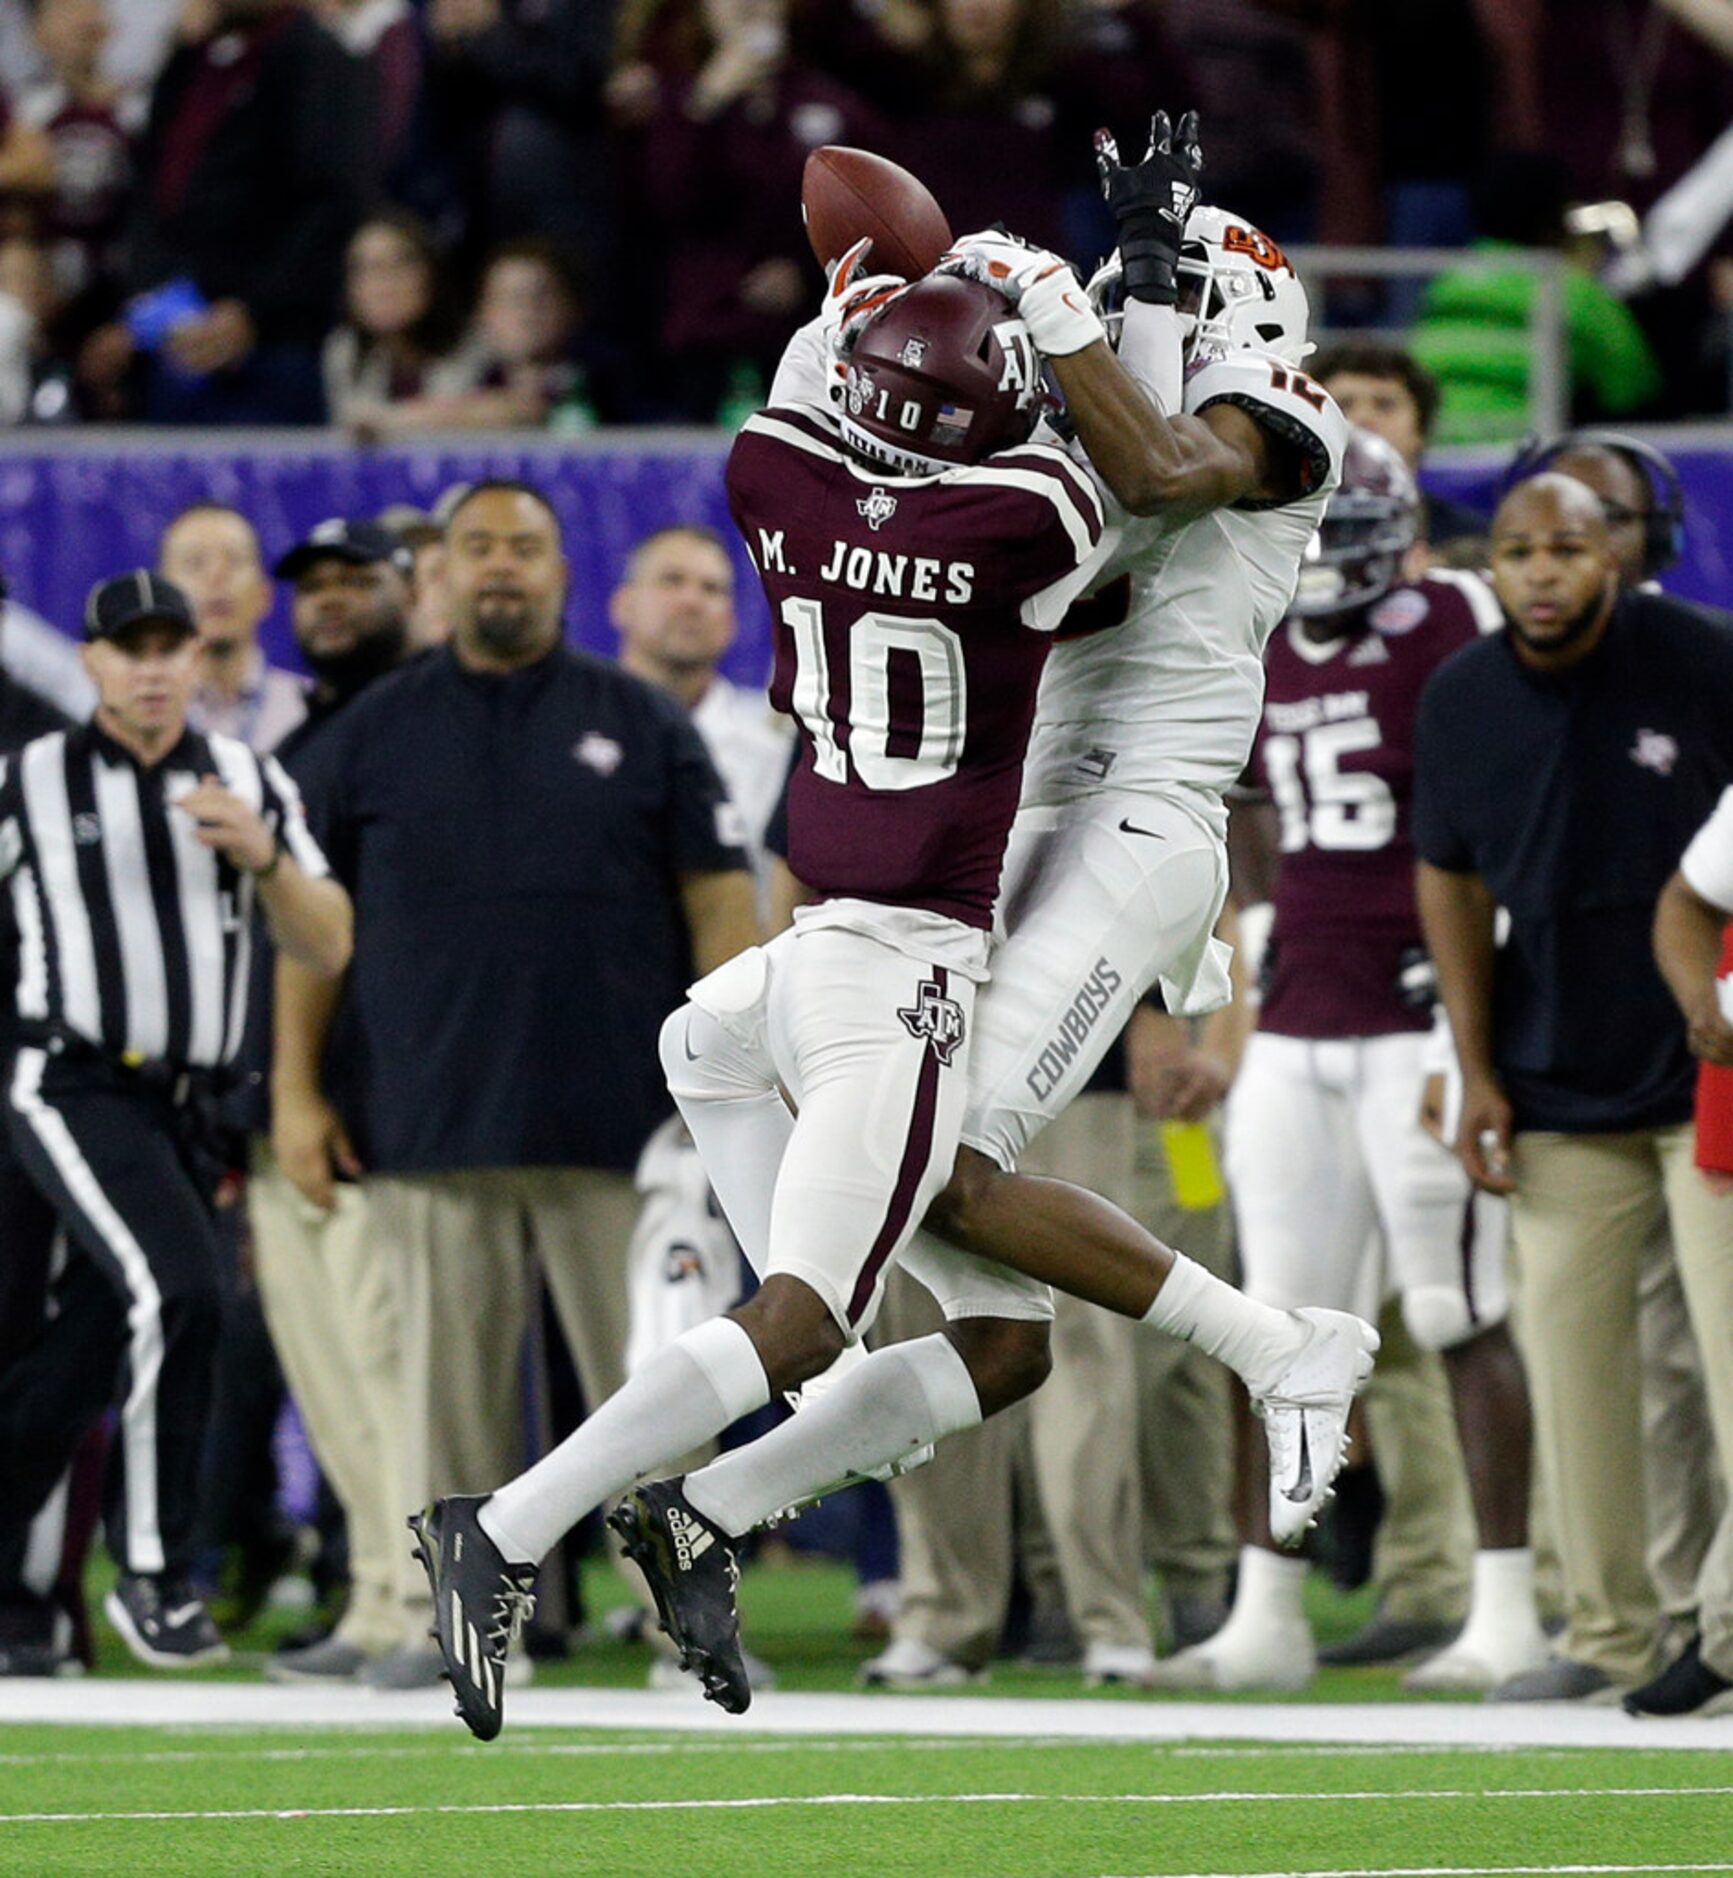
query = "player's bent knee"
x=1008 y=1358
x=951 y=1212
x=1438 y=1317
x=793 y=1330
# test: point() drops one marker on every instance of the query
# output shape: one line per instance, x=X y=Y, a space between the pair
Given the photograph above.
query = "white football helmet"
x=1237 y=290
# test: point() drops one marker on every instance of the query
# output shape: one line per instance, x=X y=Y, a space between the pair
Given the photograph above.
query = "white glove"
x=851 y=300
x=1038 y=284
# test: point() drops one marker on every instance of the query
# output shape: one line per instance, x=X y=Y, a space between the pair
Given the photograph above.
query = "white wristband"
x=1058 y=314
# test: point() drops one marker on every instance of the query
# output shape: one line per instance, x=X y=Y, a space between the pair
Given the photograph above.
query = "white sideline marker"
x=195 y=1703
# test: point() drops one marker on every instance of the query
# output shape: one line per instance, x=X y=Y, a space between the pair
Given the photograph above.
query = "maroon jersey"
x=1335 y=753
x=911 y=617
x=86 y=215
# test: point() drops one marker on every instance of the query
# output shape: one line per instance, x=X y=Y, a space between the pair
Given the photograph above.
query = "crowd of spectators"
x=401 y=215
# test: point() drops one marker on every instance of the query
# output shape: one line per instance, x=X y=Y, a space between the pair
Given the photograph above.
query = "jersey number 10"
x=931 y=737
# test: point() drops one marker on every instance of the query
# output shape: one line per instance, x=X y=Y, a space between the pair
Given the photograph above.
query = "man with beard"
x=544 y=858
x=325 y=1292
x=1560 y=770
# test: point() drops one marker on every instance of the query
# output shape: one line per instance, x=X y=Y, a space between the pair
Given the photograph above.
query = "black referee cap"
x=361 y=542
x=128 y=600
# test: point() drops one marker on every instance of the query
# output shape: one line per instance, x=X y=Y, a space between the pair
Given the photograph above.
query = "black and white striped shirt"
x=133 y=935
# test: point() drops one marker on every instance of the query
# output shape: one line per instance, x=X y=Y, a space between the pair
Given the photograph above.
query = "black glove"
x=1150 y=201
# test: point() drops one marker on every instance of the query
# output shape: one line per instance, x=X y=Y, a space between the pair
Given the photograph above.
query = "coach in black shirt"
x=136 y=850
x=542 y=858
x=1561 y=768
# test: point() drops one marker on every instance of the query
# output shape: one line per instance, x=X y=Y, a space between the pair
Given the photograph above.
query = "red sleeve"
x=1715 y=1095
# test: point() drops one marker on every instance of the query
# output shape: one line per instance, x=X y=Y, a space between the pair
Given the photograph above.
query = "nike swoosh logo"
x=181 y=1614
x=1302 y=1487
x=686 y=1043
x=1131 y=828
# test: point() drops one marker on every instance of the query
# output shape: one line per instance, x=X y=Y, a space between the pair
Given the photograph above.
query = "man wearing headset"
x=1641 y=495
x=1644 y=503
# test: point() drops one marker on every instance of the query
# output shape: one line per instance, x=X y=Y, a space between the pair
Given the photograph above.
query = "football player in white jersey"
x=1301 y=1369
x=1116 y=872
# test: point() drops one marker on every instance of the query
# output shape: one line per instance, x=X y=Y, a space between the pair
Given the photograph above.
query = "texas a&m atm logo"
x=935 y=1017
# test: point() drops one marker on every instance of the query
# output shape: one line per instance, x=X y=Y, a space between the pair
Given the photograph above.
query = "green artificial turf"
x=551 y=1801
x=356 y=1800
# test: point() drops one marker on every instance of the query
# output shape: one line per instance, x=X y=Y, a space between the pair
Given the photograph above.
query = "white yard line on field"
x=762 y=1801
x=1460 y=1871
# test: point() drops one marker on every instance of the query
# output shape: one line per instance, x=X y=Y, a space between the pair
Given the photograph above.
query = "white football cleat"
x=1258 y=1654
x=1483 y=1661
x=911 y=1664
x=1305 y=1416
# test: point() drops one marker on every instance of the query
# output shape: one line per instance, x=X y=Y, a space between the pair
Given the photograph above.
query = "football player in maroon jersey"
x=1327 y=1158
x=914 y=546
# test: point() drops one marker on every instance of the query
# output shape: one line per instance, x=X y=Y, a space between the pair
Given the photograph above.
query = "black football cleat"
x=693 y=1571
x=164 y=1623
x=1687 y=1686
x=481 y=1601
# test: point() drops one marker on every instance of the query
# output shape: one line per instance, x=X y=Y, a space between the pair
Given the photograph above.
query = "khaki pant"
x=1186 y=1430
x=332 y=1310
x=1420 y=1563
x=1584 y=1211
x=1681 y=1481
x=954 y=1515
x=459 y=1247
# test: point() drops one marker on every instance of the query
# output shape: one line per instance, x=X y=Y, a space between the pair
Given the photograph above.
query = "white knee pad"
x=712 y=1045
x=1438 y=1317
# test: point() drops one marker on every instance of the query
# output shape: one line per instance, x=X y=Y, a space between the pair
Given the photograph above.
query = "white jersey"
x=749 y=744
x=1172 y=696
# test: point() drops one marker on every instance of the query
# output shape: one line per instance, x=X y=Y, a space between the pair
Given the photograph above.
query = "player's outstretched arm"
x=1156 y=464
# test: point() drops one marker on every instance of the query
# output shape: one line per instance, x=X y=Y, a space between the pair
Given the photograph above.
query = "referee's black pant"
x=135 y=1310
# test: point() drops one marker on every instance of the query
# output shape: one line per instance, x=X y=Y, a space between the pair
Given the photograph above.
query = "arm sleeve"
x=708 y=835
x=286 y=814
x=1149 y=349
x=1708 y=861
x=1437 y=838
x=804 y=375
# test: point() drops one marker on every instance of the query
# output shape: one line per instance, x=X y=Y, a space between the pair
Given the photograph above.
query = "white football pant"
x=872 y=1045
x=1325 y=1156
x=1102 y=898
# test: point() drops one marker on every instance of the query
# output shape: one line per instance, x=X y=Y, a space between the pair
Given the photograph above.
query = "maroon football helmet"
x=1369 y=525
x=946 y=374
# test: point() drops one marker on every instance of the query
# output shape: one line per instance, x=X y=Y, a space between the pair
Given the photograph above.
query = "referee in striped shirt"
x=134 y=851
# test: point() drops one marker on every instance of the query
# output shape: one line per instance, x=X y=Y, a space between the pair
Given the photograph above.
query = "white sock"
x=1272 y=1586
x=1503 y=1590
x=1252 y=1339
x=686 y=1394
x=899 y=1399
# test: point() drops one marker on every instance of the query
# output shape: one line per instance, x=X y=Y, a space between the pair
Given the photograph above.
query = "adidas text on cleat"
x=481 y=1602
x=1305 y=1416
x=693 y=1571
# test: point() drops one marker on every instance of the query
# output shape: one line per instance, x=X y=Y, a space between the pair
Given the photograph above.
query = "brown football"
x=845 y=194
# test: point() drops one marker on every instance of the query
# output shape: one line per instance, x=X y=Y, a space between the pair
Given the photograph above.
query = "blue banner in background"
x=70 y=516
x=69 y=519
